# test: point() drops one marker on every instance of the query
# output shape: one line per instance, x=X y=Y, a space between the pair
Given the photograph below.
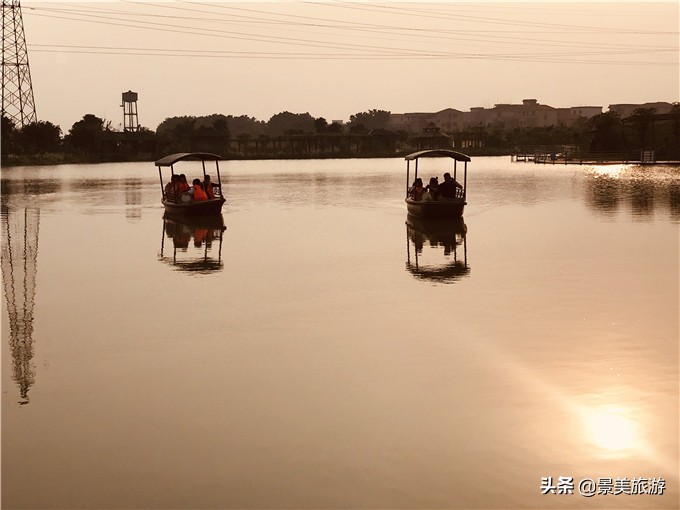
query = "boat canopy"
x=438 y=153
x=187 y=156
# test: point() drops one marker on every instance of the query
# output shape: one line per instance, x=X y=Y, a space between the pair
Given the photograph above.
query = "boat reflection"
x=446 y=236
x=193 y=243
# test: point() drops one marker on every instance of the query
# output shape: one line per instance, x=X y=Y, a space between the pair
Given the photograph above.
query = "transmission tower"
x=17 y=90
x=19 y=267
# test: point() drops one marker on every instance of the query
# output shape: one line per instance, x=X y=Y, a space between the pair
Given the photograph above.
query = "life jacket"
x=199 y=194
x=209 y=190
x=184 y=186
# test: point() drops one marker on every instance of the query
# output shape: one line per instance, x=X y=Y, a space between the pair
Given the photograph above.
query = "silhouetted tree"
x=358 y=128
x=642 y=119
x=675 y=123
x=85 y=135
x=607 y=135
x=320 y=125
x=334 y=128
x=372 y=119
x=290 y=122
x=245 y=125
x=39 y=137
x=8 y=131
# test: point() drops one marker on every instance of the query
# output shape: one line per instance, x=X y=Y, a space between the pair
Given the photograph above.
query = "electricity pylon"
x=17 y=90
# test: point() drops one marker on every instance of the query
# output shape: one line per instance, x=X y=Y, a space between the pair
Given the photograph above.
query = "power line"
x=169 y=52
x=368 y=51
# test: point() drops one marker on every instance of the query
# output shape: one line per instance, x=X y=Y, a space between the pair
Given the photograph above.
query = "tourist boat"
x=183 y=203
x=425 y=207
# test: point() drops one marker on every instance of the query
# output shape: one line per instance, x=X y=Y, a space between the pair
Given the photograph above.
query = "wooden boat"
x=183 y=203
x=432 y=206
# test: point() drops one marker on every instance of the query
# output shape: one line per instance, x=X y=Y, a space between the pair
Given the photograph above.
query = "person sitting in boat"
x=171 y=188
x=447 y=189
x=417 y=190
x=183 y=184
x=197 y=191
x=208 y=187
x=432 y=190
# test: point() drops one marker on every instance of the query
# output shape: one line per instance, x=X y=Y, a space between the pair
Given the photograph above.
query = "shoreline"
x=55 y=159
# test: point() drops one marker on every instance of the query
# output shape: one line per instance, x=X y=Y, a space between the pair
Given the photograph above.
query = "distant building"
x=508 y=116
x=626 y=110
x=431 y=137
x=505 y=116
x=586 y=111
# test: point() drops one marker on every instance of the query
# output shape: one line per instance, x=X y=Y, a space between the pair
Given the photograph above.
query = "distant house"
x=449 y=120
x=626 y=110
x=586 y=111
x=431 y=137
x=381 y=140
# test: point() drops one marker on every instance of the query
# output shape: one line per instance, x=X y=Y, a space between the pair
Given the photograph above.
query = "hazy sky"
x=336 y=58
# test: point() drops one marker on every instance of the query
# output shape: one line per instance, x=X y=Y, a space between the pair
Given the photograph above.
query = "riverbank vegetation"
x=289 y=135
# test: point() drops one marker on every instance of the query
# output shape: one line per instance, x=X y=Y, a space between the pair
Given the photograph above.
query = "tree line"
x=289 y=134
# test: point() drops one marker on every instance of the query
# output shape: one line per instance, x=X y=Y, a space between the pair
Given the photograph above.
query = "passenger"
x=199 y=194
x=183 y=184
x=208 y=188
x=171 y=187
x=433 y=189
x=447 y=189
x=417 y=190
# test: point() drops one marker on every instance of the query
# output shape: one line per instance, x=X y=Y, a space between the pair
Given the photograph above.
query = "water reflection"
x=612 y=429
x=133 y=199
x=19 y=266
x=445 y=237
x=192 y=243
x=642 y=191
x=16 y=189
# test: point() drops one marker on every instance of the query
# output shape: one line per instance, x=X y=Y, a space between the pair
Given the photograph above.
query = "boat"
x=183 y=203
x=432 y=206
x=196 y=242
x=441 y=261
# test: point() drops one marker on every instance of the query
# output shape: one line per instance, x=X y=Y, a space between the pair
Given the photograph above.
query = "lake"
x=325 y=351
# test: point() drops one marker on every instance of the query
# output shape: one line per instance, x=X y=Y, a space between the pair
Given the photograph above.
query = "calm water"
x=320 y=352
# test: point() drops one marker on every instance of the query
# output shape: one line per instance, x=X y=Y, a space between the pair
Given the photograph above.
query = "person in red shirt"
x=199 y=194
x=208 y=188
x=183 y=184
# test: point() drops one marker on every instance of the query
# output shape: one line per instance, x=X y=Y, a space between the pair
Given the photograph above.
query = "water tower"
x=130 y=119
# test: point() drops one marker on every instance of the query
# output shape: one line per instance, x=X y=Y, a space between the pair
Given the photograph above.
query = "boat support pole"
x=203 y=164
x=219 y=181
x=160 y=175
x=408 y=164
x=465 y=183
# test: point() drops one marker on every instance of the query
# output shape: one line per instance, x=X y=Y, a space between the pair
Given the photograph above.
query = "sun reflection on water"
x=612 y=429
x=613 y=171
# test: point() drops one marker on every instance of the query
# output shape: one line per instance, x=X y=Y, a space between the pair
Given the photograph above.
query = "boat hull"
x=435 y=209
x=204 y=208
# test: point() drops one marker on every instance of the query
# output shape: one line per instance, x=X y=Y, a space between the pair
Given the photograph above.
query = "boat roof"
x=438 y=153
x=187 y=156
